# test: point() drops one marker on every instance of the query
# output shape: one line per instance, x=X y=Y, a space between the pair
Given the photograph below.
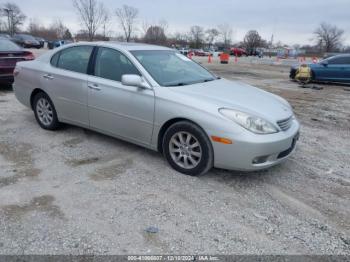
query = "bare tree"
x=58 y=28
x=145 y=25
x=155 y=35
x=252 y=41
x=34 y=27
x=91 y=15
x=164 y=25
x=197 y=35
x=329 y=37
x=212 y=34
x=226 y=34
x=127 y=18
x=181 y=39
x=106 y=20
x=14 y=15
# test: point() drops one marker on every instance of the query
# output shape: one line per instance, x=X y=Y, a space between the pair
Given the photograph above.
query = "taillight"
x=29 y=56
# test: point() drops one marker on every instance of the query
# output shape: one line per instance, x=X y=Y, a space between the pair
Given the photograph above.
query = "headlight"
x=252 y=123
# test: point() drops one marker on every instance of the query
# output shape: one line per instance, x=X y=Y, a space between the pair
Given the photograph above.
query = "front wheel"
x=188 y=149
x=45 y=112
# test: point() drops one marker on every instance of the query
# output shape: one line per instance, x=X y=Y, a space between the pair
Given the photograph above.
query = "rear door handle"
x=48 y=76
x=94 y=87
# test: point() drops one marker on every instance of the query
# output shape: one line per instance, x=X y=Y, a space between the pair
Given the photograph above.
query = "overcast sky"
x=289 y=21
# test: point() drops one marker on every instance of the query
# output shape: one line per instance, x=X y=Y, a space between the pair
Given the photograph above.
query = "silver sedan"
x=157 y=98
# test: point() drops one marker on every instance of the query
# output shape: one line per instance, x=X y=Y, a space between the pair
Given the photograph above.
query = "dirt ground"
x=78 y=192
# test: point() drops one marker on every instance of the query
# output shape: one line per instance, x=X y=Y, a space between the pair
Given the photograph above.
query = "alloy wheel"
x=185 y=150
x=44 y=111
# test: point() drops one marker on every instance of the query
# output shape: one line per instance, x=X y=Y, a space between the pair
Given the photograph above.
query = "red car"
x=10 y=54
x=238 y=51
x=198 y=52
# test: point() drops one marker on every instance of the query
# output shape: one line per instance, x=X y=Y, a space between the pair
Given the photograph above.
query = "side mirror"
x=134 y=80
x=324 y=63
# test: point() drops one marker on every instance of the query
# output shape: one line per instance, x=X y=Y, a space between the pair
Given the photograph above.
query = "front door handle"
x=48 y=76
x=94 y=87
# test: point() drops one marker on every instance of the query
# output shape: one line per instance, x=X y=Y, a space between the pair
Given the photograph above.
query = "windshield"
x=27 y=37
x=169 y=68
x=6 y=45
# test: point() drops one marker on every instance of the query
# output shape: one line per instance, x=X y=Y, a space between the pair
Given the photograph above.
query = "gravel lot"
x=78 y=192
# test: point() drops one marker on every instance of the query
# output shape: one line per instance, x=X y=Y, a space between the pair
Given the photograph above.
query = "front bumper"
x=250 y=152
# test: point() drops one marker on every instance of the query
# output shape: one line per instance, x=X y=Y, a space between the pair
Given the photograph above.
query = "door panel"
x=336 y=70
x=123 y=111
x=69 y=93
x=347 y=73
x=328 y=73
x=66 y=82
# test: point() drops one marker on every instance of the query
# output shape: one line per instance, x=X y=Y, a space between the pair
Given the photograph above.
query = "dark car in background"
x=10 y=54
x=58 y=43
x=41 y=41
x=26 y=41
x=333 y=69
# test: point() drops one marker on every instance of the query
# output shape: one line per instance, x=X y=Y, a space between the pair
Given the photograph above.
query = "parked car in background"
x=156 y=97
x=237 y=51
x=58 y=43
x=214 y=53
x=198 y=52
x=41 y=41
x=184 y=51
x=332 y=69
x=26 y=41
x=255 y=52
x=10 y=54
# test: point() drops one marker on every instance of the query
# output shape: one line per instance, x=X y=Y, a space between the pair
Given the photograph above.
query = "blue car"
x=333 y=69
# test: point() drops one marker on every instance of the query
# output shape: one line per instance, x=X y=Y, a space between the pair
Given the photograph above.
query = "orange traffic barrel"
x=224 y=58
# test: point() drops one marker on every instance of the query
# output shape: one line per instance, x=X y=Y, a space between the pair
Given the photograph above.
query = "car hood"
x=235 y=95
x=311 y=65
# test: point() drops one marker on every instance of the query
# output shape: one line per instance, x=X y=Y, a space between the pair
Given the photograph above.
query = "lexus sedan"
x=10 y=54
x=158 y=98
x=333 y=69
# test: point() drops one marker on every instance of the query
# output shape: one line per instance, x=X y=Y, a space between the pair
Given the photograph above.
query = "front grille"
x=285 y=124
x=289 y=150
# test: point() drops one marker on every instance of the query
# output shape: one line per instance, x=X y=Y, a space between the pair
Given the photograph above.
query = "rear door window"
x=75 y=59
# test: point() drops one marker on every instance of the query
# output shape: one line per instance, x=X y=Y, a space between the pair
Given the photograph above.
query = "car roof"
x=340 y=55
x=127 y=46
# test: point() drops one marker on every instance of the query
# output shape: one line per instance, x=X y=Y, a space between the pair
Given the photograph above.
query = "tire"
x=312 y=76
x=45 y=112
x=193 y=154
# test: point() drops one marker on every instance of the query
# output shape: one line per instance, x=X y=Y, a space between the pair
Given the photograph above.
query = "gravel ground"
x=78 y=192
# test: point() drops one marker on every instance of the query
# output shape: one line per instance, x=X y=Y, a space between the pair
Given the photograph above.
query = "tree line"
x=96 y=21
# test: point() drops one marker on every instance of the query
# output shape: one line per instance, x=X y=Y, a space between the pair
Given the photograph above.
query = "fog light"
x=260 y=160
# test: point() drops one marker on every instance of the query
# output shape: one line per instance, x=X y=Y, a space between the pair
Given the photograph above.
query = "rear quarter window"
x=74 y=59
x=54 y=59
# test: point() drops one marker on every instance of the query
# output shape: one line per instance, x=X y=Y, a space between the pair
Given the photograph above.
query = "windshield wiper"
x=208 y=80
x=177 y=84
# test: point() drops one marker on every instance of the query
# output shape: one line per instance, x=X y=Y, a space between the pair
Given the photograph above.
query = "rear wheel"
x=188 y=149
x=45 y=112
